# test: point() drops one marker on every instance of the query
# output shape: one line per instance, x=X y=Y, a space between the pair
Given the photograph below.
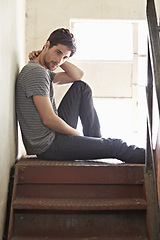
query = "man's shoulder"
x=33 y=66
x=32 y=69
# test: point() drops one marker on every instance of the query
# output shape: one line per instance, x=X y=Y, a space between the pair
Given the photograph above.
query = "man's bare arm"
x=50 y=119
x=71 y=74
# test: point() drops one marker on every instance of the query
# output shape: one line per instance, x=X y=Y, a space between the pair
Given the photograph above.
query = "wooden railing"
x=153 y=83
x=153 y=89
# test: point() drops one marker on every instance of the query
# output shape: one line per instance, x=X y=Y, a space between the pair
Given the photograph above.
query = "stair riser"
x=80 y=191
x=75 y=224
x=82 y=174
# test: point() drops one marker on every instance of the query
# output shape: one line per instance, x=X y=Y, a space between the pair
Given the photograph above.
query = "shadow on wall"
x=12 y=141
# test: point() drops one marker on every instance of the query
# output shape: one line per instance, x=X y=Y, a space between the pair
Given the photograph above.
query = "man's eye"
x=58 y=52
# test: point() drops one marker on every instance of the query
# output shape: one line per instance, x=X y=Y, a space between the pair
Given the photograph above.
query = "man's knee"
x=82 y=86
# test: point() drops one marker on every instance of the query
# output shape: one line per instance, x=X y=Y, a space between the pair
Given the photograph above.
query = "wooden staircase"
x=92 y=200
x=78 y=200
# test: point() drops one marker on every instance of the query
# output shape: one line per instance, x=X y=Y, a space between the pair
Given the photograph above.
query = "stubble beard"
x=48 y=65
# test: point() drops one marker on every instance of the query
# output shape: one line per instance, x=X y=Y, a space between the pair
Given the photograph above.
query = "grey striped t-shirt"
x=34 y=80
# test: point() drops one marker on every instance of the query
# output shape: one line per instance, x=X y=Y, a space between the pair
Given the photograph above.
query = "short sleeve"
x=37 y=82
x=52 y=75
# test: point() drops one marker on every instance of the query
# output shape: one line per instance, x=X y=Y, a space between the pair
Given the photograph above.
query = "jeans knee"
x=82 y=86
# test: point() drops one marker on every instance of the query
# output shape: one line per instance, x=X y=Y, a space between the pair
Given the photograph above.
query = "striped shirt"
x=34 y=80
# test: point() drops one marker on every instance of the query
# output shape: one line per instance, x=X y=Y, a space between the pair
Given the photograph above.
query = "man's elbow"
x=80 y=75
x=46 y=122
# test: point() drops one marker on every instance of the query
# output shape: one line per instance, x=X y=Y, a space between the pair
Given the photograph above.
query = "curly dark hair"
x=63 y=36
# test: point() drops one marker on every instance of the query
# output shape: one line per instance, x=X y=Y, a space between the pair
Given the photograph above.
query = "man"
x=52 y=134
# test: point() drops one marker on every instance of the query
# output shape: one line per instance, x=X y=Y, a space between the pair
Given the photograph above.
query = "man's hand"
x=70 y=72
x=34 y=54
x=50 y=119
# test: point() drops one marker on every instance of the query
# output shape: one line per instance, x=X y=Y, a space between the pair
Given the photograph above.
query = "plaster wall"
x=45 y=16
x=157 y=3
x=12 y=23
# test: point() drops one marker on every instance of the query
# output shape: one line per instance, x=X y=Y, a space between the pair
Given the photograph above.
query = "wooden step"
x=80 y=191
x=80 y=172
x=79 y=204
x=78 y=200
x=73 y=225
x=91 y=238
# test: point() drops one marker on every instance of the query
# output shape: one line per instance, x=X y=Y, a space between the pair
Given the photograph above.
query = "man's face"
x=56 y=56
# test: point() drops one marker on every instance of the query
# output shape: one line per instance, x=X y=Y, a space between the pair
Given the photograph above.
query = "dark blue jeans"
x=78 y=102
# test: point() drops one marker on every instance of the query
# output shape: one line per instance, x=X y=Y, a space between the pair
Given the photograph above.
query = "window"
x=103 y=39
x=112 y=54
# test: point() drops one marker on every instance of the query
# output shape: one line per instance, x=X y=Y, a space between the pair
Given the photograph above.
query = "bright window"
x=103 y=40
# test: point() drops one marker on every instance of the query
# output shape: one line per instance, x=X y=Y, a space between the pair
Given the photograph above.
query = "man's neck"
x=40 y=60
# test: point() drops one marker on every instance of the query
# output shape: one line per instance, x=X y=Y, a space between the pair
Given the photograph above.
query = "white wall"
x=12 y=24
x=157 y=3
x=45 y=16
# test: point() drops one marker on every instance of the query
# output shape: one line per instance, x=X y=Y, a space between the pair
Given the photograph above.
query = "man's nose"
x=59 y=59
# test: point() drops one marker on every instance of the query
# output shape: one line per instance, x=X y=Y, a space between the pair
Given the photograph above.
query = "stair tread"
x=96 y=238
x=33 y=160
x=79 y=204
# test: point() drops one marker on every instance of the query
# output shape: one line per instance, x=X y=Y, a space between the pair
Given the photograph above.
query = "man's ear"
x=47 y=45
